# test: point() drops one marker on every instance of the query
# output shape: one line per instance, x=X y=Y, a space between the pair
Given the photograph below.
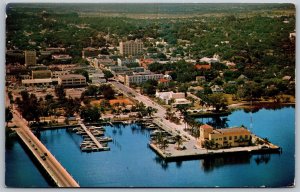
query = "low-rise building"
x=41 y=74
x=172 y=98
x=56 y=74
x=72 y=80
x=38 y=82
x=227 y=137
x=61 y=57
x=203 y=66
x=97 y=78
x=216 y=89
x=139 y=78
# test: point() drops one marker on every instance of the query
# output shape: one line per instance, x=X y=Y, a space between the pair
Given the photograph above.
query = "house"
x=243 y=77
x=216 y=89
x=203 y=66
x=286 y=78
x=200 y=78
x=226 y=137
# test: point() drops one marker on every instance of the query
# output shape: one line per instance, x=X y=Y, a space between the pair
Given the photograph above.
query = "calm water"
x=130 y=163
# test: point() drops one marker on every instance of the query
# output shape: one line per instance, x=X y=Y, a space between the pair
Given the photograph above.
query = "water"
x=131 y=163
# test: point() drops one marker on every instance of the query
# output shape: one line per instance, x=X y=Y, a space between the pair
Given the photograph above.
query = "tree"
x=90 y=114
x=107 y=91
x=60 y=92
x=218 y=101
x=107 y=74
x=178 y=140
x=8 y=115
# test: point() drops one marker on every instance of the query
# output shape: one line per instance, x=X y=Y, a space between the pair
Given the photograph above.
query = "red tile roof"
x=205 y=66
x=205 y=126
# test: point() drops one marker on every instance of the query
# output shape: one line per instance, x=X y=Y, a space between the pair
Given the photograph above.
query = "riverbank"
x=259 y=105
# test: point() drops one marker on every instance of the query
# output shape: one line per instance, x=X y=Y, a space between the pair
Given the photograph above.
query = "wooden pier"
x=97 y=143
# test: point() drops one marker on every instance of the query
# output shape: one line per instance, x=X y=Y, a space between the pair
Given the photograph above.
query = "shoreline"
x=259 y=105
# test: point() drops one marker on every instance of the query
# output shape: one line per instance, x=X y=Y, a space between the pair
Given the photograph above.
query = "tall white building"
x=132 y=48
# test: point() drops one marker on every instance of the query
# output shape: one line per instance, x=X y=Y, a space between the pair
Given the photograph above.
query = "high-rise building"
x=30 y=58
x=131 y=48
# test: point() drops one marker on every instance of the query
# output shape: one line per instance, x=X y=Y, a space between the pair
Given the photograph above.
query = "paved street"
x=161 y=111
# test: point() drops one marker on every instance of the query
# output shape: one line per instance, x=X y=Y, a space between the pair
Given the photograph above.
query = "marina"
x=93 y=139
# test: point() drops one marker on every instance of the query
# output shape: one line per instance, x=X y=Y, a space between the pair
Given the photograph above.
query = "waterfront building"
x=72 y=80
x=226 y=137
x=41 y=74
x=30 y=58
x=139 y=78
x=132 y=48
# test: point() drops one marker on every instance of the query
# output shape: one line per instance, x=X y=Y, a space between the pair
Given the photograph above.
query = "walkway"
x=91 y=136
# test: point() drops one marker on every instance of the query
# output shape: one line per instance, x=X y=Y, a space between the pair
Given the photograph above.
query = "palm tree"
x=164 y=144
x=178 y=140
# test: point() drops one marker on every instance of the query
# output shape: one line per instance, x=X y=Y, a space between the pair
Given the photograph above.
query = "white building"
x=97 y=78
x=138 y=78
x=37 y=82
x=72 y=80
x=177 y=98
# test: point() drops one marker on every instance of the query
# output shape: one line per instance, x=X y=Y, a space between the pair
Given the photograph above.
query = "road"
x=161 y=111
x=58 y=173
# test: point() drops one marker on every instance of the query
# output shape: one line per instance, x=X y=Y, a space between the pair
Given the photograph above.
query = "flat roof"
x=71 y=76
x=233 y=130
x=48 y=80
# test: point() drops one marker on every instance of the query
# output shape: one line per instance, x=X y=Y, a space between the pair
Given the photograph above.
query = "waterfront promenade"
x=54 y=169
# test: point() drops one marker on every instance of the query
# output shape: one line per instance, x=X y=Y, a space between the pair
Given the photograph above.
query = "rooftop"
x=70 y=76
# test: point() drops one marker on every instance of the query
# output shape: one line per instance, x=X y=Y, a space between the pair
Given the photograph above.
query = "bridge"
x=54 y=169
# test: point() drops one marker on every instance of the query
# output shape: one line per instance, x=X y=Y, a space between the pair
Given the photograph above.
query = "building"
x=61 y=57
x=38 y=82
x=172 y=98
x=227 y=137
x=126 y=61
x=41 y=74
x=138 y=78
x=203 y=66
x=216 y=89
x=30 y=58
x=145 y=62
x=97 y=78
x=56 y=74
x=72 y=80
x=131 y=48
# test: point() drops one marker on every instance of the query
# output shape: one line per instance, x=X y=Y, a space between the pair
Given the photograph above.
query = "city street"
x=161 y=111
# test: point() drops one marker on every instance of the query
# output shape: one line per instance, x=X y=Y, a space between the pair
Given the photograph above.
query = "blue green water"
x=131 y=163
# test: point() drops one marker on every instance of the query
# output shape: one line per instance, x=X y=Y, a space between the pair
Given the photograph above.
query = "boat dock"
x=99 y=146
